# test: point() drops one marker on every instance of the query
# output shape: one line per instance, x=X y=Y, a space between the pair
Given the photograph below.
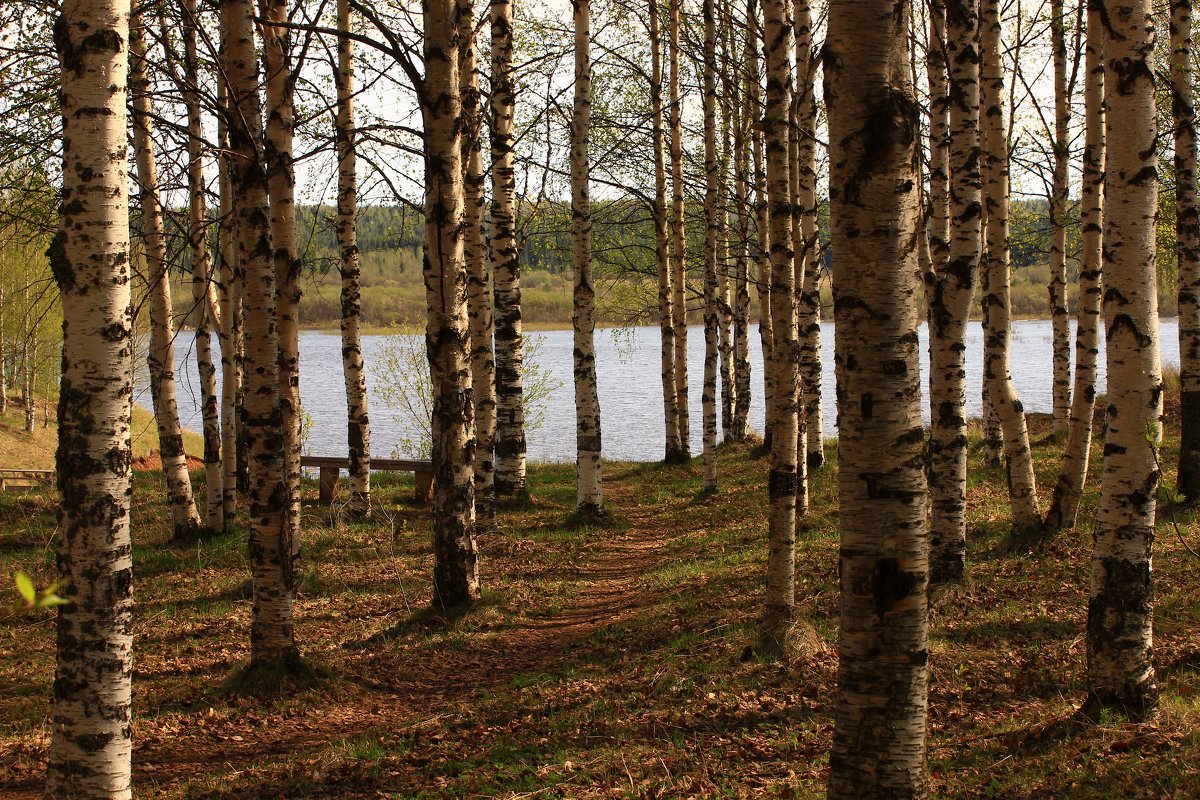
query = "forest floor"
x=601 y=662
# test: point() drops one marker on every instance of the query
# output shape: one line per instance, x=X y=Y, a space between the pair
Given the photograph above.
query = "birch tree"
x=1120 y=607
x=272 y=553
x=1187 y=246
x=447 y=339
x=358 y=418
x=184 y=518
x=479 y=305
x=1022 y=485
x=678 y=232
x=506 y=265
x=711 y=231
x=950 y=295
x=675 y=453
x=590 y=496
x=880 y=718
x=91 y=737
x=279 y=86
x=1059 y=199
x=785 y=482
x=1064 y=506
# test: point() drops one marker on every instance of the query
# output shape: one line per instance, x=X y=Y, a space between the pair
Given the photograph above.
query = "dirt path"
x=388 y=686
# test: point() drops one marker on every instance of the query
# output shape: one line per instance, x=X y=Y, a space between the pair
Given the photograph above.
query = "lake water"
x=628 y=366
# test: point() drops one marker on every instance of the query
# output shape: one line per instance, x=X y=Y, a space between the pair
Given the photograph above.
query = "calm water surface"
x=627 y=363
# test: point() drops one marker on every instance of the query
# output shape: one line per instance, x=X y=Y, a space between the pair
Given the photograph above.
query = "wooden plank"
x=381 y=464
x=28 y=474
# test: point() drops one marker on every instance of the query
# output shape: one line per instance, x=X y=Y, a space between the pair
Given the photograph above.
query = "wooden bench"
x=21 y=479
x=332 y=466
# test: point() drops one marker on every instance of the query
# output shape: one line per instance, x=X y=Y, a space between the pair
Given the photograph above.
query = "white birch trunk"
x=1120 y=607
x=678 y=233
x=358 y=421
x=590 y=497
x=950 y=296
x=506 y=266
x=1059 y=199
x=674 y=452
x=272 y=554
x=1022 y=486
x=91 y=737
x=184 y=518
x=1187 y=247
x=879 y=735
x=1064 y=507
x=711 y=231
x=447 y=339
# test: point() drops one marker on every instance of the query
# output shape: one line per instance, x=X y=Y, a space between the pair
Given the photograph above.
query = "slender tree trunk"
x=184 y=519
x=1059 y=199
x=762 y=260
x=506 y=265
x=232 y=273
x=1069 y=489
x=447 y=339
x=711 y=231
x=678 y=234
x=1022 y=487
x=203 y=279
x=590 y=498
x=808 y=309
x=879 y=730
x=30 y=382
x=950 y=295
x=281 y=188
x=785 y=476
x=741 y=302
x=358 y=420
x=1187 y=247
x=1120 y=607
x=479 y=306
x=3 y=361
x=272 y=555
x=724 y=301
x=675 y=453
x=91 y=739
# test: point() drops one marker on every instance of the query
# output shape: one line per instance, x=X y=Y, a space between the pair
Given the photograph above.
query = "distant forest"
x=390 y=239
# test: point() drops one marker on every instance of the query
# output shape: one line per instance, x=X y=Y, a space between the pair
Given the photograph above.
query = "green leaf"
x=25 y=587
x=50 y=600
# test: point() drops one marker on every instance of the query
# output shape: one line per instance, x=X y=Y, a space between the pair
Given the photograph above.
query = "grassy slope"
x=21 y=450
x=602 y=663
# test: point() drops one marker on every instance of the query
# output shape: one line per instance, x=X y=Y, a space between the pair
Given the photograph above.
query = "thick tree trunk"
x=950 y=295
x=879 y=731
x=184 y=518
x=90 y=747
x=678 y=234
x=1059 y=199
x=1120 y=607
x=590 y=499
x=675 y=453
x=506 y=266
x=479 y=305
x=711 y=231
x=1069 y=489
x=1022 y=486
x=358 y=419
x=272 y=554
x=203 y=279
x=1187 y=247
x=281 y=188
x=785 y=482
x=447 y=339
